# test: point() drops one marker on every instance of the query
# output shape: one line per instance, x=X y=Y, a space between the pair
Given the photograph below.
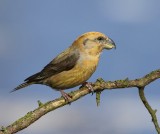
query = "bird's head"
x=93 y=43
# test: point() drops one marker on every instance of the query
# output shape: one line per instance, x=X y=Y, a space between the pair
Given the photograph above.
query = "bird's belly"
x=71 y=78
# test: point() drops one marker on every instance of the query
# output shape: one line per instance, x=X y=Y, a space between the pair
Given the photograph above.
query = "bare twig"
x=149 y=108
x=100 y=85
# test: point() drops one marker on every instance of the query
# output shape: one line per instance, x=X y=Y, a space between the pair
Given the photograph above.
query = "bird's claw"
x=66 y=96
x=89 y=85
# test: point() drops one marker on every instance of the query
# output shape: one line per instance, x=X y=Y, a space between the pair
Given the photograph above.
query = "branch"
x=99 y=85
x=149 y=108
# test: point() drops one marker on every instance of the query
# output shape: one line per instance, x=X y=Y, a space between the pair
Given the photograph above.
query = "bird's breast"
x=79 y=74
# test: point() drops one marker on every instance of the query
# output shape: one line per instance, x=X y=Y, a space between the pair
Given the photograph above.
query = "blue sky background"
x=33 y=32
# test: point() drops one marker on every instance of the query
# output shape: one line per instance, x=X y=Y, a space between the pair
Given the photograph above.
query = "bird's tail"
x=25 y=84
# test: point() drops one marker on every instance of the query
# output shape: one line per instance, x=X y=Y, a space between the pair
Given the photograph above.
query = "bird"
x=74 y=66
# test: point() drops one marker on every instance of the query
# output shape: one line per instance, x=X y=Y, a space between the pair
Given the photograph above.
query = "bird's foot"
x=66 y=96
x=89 y=85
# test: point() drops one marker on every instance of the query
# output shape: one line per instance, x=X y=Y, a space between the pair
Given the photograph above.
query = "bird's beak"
x=109 y=44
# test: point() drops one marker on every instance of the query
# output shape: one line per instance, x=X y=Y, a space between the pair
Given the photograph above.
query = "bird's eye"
x=100 y=38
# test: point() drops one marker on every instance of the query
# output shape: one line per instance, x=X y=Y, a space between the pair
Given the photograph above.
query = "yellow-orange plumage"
x=74 y=77
x=75 y=65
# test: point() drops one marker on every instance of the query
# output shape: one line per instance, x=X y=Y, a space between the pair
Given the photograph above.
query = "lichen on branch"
x=99 y=86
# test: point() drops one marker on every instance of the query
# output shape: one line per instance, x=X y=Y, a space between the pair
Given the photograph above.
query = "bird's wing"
x=63 y=62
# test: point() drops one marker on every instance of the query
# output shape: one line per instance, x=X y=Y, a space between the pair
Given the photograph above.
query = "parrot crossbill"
x=74 y=66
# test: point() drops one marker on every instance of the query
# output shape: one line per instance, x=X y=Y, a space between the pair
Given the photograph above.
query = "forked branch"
x=99 y=85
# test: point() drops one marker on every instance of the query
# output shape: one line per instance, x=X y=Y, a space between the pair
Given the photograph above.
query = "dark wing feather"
x=63 y=62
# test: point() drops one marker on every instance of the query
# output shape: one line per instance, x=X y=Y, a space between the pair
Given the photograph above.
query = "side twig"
x=149 y=108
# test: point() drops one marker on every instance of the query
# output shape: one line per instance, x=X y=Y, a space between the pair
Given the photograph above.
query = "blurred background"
x=33 y=32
